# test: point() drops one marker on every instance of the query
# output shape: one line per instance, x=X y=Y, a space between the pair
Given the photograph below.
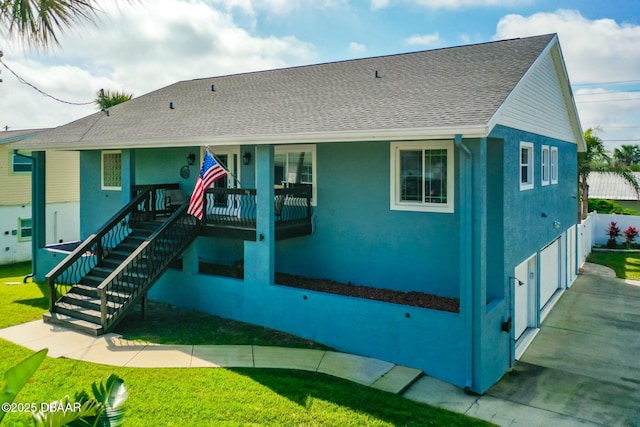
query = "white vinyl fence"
x=586 y=236
x=623 y=222
x=593 y=231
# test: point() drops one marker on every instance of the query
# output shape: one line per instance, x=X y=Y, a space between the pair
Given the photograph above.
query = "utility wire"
x=607 y=93
x=606 y=83
x=23 y=81
x=607 y=100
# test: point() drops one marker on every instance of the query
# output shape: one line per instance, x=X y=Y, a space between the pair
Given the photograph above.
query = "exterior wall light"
x=191 y=158
x=246 y=158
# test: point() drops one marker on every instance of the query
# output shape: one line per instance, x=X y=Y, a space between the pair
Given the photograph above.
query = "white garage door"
x=549 y=271
x=524 y=296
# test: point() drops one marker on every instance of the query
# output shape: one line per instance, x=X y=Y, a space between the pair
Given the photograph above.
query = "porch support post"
x=465 y=180
x=128 y=174
x=39 y=210
x=479 y=289
x=190 y=258
x=259 y=260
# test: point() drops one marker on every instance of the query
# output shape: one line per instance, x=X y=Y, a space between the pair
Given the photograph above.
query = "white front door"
x=524 y=296
x=229 y=158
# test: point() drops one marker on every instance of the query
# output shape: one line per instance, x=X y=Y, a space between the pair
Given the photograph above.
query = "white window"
x=545 y=165
x=554 y=165
x=295 y=165
x=422 y=176
x=25 y=229
x=20 y=164
x=111 y=170
x=526 y=165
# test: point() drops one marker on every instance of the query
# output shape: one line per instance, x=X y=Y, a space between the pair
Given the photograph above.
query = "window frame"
x=12 y=160
x=22 y=227
x=545 y=165
x=395 y=180
x=529 y=184
x=102 y=170
x=554 y=166
x=311 y=148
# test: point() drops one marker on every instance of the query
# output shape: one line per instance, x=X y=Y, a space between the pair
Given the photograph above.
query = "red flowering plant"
x=613 y=231
x=630 y=234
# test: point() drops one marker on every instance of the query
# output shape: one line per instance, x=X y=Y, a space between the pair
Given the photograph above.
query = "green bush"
x=609 y=207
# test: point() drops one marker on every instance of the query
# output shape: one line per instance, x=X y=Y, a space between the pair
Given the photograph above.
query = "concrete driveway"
x=585 y=361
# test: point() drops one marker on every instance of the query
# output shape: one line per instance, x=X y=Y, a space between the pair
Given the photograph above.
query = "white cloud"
x=379 y=4
x=138 y=49
x=357 y=47
x=423 y=40
x=452 y=4
x=595 y=51
x=278 y=7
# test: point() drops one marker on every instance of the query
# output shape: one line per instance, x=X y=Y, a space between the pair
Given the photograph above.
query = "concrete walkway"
x=583 y=367
x=113 y=350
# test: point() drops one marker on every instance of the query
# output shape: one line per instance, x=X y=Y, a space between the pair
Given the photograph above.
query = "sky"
x=141 y=47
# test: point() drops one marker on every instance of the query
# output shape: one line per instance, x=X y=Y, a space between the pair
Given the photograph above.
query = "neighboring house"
x=63 y=198
x=450 y=172
x=611 y=186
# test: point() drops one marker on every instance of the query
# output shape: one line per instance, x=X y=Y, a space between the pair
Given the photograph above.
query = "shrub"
x=630 y=234
x=613 y=231
x=609 y=207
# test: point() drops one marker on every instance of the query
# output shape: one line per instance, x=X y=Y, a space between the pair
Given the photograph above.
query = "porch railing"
x=128 y=282
x=236 y=207
x=158 y=203
x=92 y=251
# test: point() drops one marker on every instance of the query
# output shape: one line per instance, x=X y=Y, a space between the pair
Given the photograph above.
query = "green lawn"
x=166 y=324
x=625 y=264
x=204 y=397
x=20 y=303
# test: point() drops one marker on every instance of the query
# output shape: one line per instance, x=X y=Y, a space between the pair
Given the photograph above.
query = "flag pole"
x=223 y=166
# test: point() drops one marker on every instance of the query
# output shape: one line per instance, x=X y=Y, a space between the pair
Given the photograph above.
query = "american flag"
x=211 y=172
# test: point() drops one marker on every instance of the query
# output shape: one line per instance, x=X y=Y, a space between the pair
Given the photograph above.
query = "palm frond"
x=40 y=22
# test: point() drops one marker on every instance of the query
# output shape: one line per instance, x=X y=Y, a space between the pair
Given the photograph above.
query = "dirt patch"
x=416 y=299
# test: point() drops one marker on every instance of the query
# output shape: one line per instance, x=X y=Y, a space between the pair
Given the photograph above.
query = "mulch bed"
x=416 y=299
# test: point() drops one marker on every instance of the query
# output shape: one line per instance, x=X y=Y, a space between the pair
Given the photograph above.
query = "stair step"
x=111 y=262
x=101 y=271
x=119 y=254
x=90 y=302
x=82 y=289
x=92 y=281
x=81 y=300
x=79 y=312
x=72 y=323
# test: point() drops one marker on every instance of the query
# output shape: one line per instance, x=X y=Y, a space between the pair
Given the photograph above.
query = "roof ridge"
x=366 y=58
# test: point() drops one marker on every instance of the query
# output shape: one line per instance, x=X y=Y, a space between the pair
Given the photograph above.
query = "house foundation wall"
x=430 y=340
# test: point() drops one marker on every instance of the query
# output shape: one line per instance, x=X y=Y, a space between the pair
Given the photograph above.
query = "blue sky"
x=151 y=44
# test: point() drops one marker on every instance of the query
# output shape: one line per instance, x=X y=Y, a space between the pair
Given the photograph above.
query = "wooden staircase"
x=96 y=285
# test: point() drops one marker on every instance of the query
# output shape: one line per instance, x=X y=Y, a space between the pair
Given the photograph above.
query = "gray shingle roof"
x=451 y=87
x=9 y=136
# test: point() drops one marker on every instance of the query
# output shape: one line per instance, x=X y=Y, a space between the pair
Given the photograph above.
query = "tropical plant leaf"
x=111 y=396
x=67 y=412
x=16 y=377
x=105 y=409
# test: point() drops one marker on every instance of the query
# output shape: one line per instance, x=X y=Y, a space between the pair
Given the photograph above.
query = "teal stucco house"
x=447 y=175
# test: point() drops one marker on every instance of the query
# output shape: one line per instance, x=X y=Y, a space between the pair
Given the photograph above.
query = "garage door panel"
x=549 y=271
